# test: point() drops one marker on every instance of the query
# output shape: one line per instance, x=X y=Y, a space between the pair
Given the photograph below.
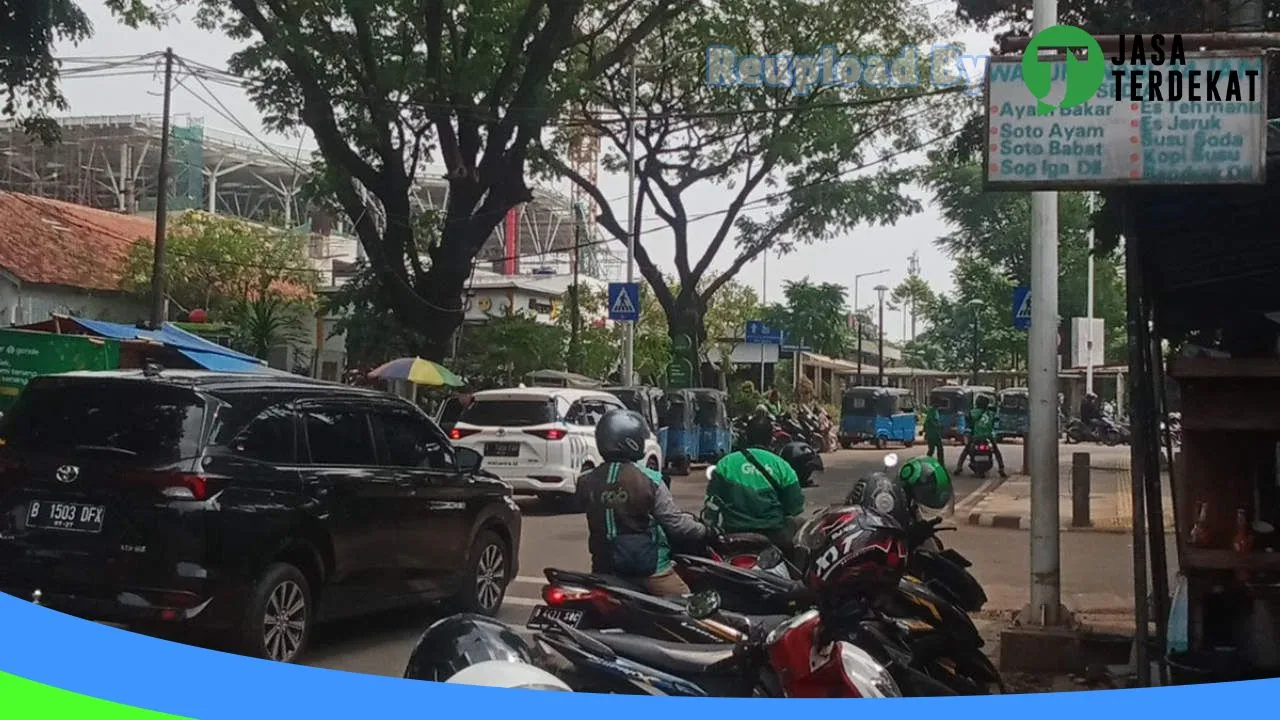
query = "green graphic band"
x=29 y=700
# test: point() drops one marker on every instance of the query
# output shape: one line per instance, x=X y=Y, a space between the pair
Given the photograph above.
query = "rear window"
x=1014 y=402
x=508 y=413
x=942 y=402
x=152 y=424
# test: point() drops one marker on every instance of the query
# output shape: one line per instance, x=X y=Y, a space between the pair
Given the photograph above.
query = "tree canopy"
x=386 y=87
x=798 y=166
x=815 y=314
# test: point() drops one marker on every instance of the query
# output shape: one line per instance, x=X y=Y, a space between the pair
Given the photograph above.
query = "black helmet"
x=759 y=431
x=853 y=554
x=621 y=436
x=983 y=402
x=883 y=494
x=460 y=641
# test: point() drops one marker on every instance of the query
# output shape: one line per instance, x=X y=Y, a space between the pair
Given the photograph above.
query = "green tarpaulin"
x=25 y=354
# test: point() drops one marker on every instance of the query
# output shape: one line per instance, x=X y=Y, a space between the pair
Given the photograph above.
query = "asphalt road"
x=381 y=645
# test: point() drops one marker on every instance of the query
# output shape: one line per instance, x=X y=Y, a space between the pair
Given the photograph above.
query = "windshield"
x=1014 y=402
x=676 y=410
x=150 y=423
x=509 y=413
x=707 y=411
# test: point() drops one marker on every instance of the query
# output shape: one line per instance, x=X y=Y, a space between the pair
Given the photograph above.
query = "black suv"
x=253 y=505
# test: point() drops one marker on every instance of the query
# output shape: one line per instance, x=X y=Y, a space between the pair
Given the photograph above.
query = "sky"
x=864 y=249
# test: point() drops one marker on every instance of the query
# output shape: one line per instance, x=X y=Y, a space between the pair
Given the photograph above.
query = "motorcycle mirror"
x=703 y=604
x=891 y=460
x=769 y=559
x=710 y=469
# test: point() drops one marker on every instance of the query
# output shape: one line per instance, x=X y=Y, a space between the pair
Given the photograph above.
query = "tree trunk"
x=686 y=319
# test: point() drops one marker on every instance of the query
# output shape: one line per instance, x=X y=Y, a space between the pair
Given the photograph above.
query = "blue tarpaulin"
x=206 y=354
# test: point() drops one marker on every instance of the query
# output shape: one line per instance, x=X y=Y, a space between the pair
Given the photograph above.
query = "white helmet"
x=506 y=674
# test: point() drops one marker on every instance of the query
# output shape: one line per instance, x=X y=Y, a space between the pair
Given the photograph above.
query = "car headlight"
x=870 y=678
x=883 y=502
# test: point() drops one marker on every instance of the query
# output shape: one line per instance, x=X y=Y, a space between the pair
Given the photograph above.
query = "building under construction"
x=110 y=162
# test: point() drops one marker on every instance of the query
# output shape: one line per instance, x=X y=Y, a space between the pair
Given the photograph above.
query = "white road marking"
x=531 y=579
x=521 y=602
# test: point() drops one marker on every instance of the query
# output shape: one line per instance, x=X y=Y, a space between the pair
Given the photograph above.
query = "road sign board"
x=1022 y=308
x=760 y=334
x=1126 y=135
x=624 y=301
x=794 y=348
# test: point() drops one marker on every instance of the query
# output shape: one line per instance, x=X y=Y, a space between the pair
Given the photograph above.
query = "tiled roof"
x=51 y=242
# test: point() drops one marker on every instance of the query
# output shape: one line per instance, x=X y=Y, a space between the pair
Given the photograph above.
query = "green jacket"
x=982 y=424
x=932 y=425
x=740 y=499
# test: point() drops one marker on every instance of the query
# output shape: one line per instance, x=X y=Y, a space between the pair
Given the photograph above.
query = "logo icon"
x=1082 y=75
x=67 y=474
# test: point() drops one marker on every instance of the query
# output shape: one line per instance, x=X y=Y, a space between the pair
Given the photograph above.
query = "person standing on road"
x=933 y=433
x=630 y=511
x=982 y=427
x=754 y=490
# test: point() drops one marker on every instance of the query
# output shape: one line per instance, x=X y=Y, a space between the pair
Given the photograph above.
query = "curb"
x=1022 y=522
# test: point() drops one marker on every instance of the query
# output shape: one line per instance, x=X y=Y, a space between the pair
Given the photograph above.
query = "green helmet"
x=928 y=481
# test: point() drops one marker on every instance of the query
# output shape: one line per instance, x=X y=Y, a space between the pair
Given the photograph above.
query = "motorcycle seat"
x=570 y=577
x=744 y=542
x=755 y=626
x=672 y=657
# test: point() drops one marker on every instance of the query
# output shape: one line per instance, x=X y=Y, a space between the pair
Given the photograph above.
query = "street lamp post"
x=880 y=291
x=975 y=306
x=857 y=338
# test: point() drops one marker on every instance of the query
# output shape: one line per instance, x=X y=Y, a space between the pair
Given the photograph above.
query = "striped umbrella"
x=417 y=371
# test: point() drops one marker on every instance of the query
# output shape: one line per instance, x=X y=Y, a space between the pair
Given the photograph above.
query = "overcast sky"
x=863 y=249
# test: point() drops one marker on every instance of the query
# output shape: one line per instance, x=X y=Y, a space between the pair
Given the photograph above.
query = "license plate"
x=502 y=450
x=73 y=517
x=984 y=457
x=544 y=617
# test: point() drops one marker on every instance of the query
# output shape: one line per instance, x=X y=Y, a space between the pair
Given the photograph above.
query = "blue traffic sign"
x=624 y=301
x=1022 y=308
x=760 y=334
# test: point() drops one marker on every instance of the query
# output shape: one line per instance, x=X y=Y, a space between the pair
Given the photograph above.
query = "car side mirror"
x=703 y=605
x=467 y=460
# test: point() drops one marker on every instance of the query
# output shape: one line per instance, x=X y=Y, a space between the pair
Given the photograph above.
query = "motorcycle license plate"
x=982 y=457
x=544 y=617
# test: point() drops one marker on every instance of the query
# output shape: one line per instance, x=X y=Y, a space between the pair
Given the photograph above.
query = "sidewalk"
x=1008 y=505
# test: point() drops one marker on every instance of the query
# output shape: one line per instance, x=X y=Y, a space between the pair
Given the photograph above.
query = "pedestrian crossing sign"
x=1022 y=308
x=624 y=301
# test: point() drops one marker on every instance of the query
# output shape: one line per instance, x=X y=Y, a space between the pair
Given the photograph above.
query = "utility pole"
x=575 y=336
x=1088 y=361
x=764 y=295
x=1042 y=386
x=158 y=304
x=880 y=291
x=975 y=306
x=857 y=317
x=629 y=341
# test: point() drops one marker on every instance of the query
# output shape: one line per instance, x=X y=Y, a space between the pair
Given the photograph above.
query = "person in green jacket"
x=774 y=403
x=982 y=426
x=933 y=433
x=754 y=490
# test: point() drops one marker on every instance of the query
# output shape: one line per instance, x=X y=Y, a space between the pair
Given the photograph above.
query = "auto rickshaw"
x=952 y=402
x=648 y=401
x=878 y=415
x=1011 y=413
x=711 y=416
x=681 y=449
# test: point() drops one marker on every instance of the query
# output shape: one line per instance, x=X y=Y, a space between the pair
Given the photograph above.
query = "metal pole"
x=880 y=348
x=158 y=314
x=628 y=354
x=1042 y=381
x=857 y=329
x=1088 y=362
x=764 y=294
x=575 y=337
x=975 y=344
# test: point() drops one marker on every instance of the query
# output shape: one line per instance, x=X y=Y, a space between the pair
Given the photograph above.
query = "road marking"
x=977 y=496
x=521 y=602
x=531 y=579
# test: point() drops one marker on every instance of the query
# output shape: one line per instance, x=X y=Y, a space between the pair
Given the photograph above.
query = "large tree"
x=797 y=166
x=988 y=240
x=815 y=314
x=386 y=86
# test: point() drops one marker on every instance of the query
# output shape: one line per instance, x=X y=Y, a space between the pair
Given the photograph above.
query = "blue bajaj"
x=711 y=416
x=952 y=402
x=1011 y=413
x=681 y=449
x=877 y=415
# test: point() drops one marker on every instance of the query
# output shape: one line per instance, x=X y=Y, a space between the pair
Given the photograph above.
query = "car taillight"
x=558 y=595
x=743 y=561
x=177 y=485
x=458 y=434
x=548 y=434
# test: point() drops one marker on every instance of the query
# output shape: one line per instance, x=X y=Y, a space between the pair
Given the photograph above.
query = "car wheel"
x=488 y=574
x=278 y=618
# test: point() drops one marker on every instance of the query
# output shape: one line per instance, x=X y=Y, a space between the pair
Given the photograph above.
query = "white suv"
x=539 y=440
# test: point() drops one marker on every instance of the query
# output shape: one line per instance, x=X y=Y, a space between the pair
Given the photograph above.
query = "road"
x=381 y=645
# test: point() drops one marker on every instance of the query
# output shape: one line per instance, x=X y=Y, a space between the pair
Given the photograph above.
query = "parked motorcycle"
x=1109 y=432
